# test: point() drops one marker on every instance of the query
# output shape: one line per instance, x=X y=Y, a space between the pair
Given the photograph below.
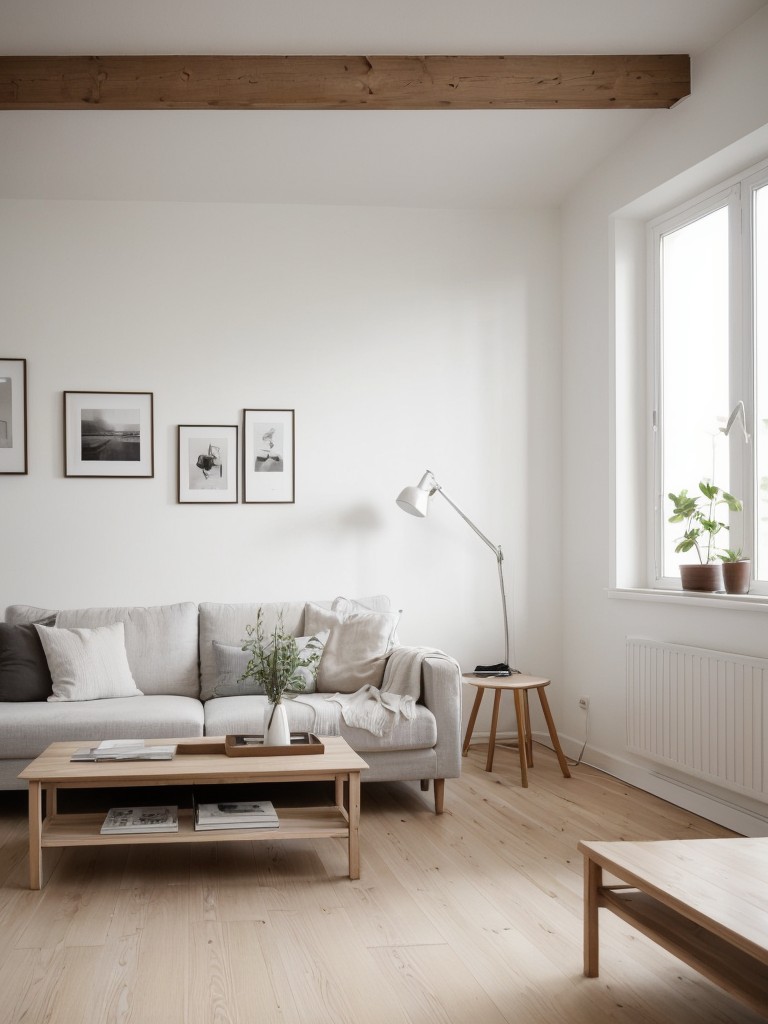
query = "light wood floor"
x=472 y=917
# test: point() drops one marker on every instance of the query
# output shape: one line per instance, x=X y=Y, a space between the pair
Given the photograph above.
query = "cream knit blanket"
x=378 y=710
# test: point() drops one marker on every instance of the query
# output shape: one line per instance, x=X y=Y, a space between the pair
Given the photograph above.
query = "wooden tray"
x=301 y=743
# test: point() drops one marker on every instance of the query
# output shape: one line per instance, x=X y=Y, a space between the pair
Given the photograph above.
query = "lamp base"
x=502 y=669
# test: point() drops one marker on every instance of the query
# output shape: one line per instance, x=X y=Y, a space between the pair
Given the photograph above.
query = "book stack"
x=125 y=750
x=242 y=814
x=133 y=820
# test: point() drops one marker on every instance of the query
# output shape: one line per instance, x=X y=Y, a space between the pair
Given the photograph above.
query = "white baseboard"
x=740 y=814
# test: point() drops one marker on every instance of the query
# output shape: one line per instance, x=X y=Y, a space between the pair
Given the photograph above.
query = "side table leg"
x=354 y=824
x=522 y=740
x=35 y=835
x=472 y=720
x=494 y=724
x=593 y=879
x=553 y=733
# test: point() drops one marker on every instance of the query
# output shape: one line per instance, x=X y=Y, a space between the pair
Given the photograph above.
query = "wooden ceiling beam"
x=565 y=82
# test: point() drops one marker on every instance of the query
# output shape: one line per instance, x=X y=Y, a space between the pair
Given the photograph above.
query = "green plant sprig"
x=276 y=659
x=699 y=513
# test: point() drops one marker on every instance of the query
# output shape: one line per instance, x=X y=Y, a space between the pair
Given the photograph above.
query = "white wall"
x=403 y=339
x=723 y=126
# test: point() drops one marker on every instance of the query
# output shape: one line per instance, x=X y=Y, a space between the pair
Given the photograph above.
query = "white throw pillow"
x=88 y=664
x=357 y=648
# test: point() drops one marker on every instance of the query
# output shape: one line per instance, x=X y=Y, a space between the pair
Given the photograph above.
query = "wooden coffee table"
x=53 y=770
x=704 y=900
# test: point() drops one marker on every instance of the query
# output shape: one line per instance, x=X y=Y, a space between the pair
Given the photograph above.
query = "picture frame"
x=109 y=434
x=13 y=416
x=269 y=456
x=208 y=464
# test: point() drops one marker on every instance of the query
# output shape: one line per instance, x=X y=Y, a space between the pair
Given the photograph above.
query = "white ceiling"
x=486 y=159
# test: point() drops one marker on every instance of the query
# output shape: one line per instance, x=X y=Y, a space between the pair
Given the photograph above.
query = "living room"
x=423 y=293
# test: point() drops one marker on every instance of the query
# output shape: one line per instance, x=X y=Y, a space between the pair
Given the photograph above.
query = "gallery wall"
x=403 y=340
x=721 y=128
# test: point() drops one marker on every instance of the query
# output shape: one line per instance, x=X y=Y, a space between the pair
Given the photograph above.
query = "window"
x=709 y=268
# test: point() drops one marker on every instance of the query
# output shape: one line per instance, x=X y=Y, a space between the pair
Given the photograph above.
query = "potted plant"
x=736 y=571
x=278 y=664
x=699 y=513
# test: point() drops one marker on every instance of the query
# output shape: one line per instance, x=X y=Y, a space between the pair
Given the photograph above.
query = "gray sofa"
x=171 y=657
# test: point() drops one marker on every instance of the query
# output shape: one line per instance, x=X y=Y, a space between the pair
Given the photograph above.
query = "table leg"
x=553 y=733
x=472 y=720
x=35 y=835
x=528 y=730
x=339 y=797
x=492 y=737
x=522 y=741
x=354 y=824
x=593 y=879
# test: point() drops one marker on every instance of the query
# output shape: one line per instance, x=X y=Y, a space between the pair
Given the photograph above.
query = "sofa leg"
x=439 y=795
x=424 y=785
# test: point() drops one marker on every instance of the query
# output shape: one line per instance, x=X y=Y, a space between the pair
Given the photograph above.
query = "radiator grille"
x=702 y=712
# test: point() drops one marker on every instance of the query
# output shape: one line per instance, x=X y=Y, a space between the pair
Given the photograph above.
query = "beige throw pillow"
x=88 y=664
x=356 y=651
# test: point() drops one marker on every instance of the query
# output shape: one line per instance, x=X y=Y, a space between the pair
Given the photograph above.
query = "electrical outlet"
x=583 y=702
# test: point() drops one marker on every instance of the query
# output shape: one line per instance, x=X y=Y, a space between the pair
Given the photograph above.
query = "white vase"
x=276 y=731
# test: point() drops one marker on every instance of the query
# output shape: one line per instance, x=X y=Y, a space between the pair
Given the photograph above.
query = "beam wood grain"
x=199 y=82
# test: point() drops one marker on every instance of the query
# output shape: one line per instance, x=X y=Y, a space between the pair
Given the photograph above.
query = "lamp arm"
x=496 y=549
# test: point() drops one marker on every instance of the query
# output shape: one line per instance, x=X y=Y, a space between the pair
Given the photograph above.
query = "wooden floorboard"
x=470 y=916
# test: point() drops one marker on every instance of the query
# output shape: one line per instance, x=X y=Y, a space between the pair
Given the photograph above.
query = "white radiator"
x=701 y=712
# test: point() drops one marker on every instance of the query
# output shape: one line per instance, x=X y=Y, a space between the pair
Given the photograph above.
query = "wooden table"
x=705 y=900
x=519 y=685
x=53 y=770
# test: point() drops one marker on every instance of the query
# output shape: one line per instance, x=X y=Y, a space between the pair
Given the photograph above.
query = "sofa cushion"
x=226 y=623
x=160 y=641
x=24 y=672
x=357 y=648
x=27 y=729
x=315 y=713
x=88 y=664
x=232 y=662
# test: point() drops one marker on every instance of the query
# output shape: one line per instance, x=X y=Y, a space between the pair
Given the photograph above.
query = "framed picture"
x=208 y=464
x=109 y=433
x=13 y=416
x=268 y=455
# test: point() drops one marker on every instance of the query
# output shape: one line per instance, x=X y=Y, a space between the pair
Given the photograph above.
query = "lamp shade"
x=414 y=501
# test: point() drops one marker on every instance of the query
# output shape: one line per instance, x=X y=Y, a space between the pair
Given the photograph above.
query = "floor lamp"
x=415 y=501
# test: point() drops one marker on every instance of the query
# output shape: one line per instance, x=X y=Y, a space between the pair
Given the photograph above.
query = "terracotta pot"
x=707 y=577
x=736 y=576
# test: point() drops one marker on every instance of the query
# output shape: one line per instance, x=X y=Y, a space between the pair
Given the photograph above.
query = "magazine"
x=236 y=814
x=125 y=820
x=125 y=750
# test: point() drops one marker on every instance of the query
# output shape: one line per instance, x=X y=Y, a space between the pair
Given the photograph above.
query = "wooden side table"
x=520 y=686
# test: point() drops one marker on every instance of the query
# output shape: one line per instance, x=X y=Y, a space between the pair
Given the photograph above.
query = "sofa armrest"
x=439 y=683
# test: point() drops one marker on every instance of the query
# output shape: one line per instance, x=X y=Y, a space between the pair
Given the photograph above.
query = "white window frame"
x=736 y=193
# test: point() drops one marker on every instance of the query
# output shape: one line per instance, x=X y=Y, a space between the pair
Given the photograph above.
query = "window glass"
x=760 y=221
x=694 y=327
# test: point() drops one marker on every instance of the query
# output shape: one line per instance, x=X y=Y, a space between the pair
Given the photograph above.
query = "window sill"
x=751 y=602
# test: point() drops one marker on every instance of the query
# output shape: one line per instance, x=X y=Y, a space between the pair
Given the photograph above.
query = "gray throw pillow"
x=231 y=663
x=24 y=672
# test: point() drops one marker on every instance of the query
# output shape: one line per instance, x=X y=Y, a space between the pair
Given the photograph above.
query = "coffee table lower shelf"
x=294 y=823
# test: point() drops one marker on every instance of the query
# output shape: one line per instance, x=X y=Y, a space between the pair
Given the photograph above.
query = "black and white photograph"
x=268 y=455
x=13 y=416
x=208 y=459
x=108 y=433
